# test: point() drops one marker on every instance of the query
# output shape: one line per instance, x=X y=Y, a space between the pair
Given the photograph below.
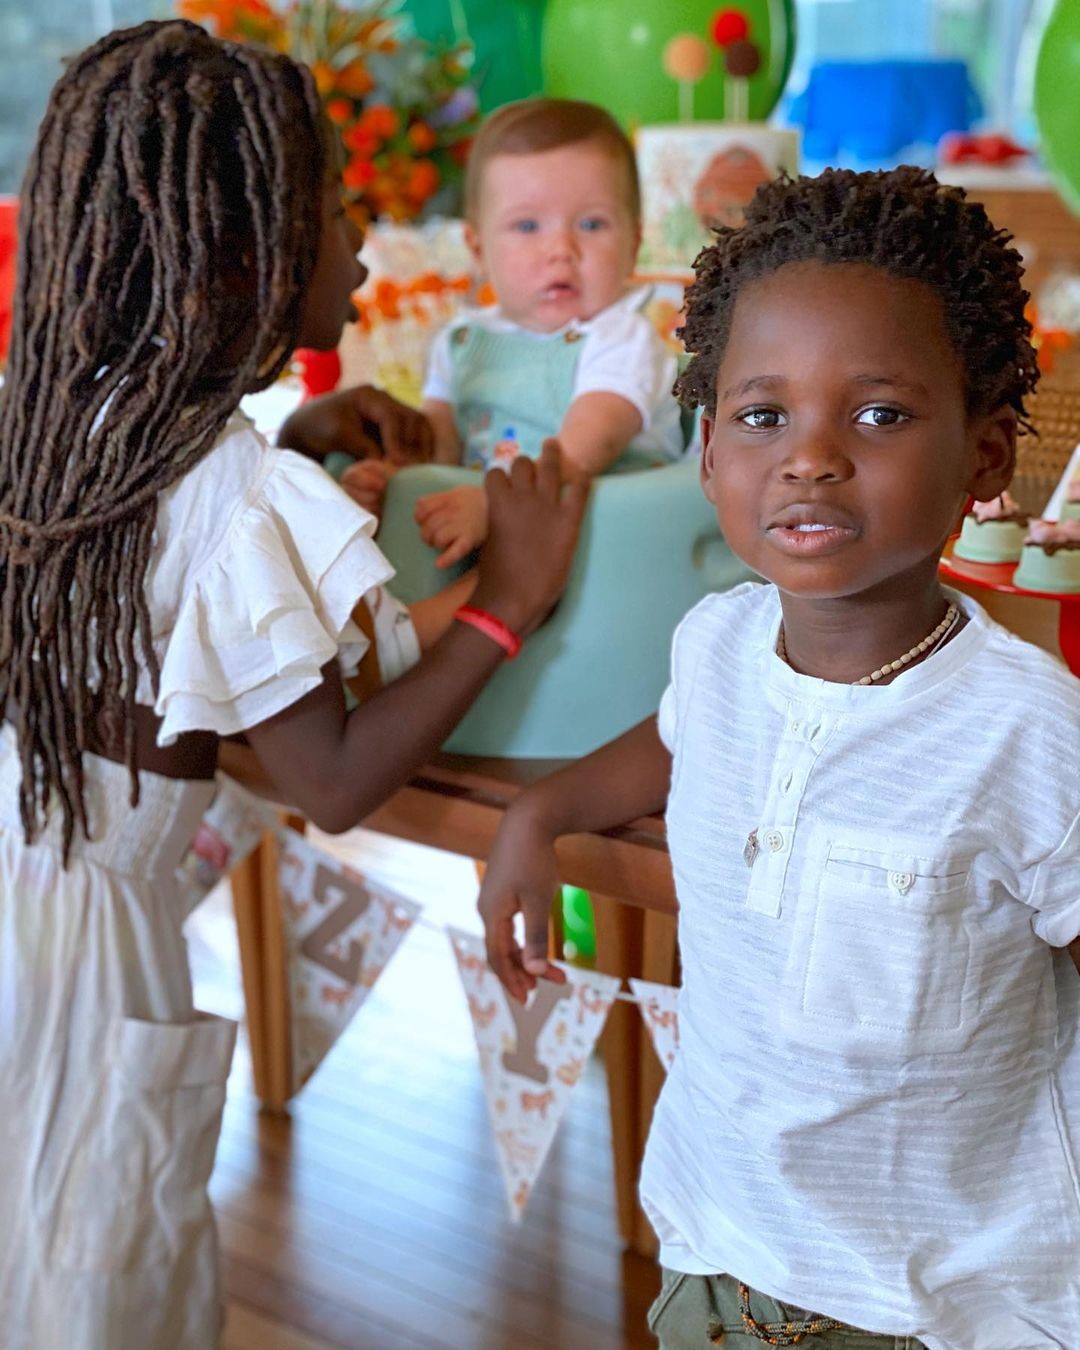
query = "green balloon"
x=1057 y=98
x=611 y=52
x=504 y=33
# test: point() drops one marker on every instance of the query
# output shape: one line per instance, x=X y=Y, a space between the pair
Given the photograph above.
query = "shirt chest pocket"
x=882 y=950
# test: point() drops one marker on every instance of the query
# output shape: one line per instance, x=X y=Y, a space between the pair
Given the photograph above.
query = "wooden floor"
x=373 y=1216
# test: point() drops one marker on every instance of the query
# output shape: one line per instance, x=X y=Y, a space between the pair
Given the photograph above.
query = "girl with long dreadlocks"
x=167 y=579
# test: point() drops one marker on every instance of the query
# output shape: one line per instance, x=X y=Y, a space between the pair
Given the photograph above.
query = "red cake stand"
x=999 y=577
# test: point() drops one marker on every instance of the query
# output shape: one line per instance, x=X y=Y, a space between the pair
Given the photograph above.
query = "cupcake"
x=1051 y=557
x=993 y=532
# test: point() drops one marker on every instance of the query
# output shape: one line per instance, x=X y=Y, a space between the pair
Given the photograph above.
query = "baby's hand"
x=455 y=521
x=366 y=481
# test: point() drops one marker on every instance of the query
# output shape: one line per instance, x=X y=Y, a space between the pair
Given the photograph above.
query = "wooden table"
x=456 y=804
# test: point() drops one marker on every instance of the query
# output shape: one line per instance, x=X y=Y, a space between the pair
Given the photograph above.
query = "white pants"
x=111 y=1085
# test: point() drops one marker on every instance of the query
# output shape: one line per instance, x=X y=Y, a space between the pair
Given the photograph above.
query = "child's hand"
x=364 y=422
x=533 y=527
x=366 y=482
x=455 y=521
x=521 y=874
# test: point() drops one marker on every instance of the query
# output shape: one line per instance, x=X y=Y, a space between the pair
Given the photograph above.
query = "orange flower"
x=1046 y=341
x=358 y=174
x=423 y=180
x=360 y=139
x=339 y=111
x=354 y=80
x=325 y=77
x=381 y=120
x=422 y=137
x=387 y=298
x=235 y=18
x=427 y=283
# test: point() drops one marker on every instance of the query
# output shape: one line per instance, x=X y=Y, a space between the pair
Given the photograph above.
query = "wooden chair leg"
x=264 y=965
x=246 y=883
x=276 y=1019
x=619 y=933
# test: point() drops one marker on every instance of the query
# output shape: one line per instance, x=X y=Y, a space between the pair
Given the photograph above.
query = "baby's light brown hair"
x=532 y=125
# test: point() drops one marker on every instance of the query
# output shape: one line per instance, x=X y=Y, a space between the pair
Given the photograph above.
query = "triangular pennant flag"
x=341 y=929
x=659 y=1004
x=531 y=1057
x=234 y=823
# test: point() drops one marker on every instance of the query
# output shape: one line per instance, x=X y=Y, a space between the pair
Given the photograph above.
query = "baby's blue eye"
x=880 y=415
x=761 y=419
x=524 y=226
x=593 y=223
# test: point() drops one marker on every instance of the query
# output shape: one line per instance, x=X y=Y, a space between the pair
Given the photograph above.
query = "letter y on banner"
x=341 y=928
x=531 y=1057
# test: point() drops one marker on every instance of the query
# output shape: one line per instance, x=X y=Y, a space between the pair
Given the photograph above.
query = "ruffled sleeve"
x=257 y=618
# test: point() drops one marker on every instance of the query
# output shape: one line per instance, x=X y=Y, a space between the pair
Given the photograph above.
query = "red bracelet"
x=491 y=627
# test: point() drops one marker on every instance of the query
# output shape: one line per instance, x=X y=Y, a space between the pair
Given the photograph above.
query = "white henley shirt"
x=875 y=1110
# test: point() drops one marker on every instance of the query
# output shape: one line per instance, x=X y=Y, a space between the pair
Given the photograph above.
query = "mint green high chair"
x=650 y=549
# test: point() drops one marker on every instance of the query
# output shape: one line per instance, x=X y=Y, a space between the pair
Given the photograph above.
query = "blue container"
x=870 y=111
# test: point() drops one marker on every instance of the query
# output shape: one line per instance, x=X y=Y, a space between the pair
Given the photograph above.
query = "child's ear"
x=472 y=243
x=994 y=438
x=707 y=458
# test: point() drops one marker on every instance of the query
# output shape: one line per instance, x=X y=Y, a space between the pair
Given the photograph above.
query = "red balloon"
x=729 y=25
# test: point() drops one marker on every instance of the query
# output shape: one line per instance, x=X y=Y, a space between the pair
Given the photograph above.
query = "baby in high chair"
x=553 y=219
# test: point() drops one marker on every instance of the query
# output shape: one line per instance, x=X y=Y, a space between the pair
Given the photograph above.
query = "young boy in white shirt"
x=870 y=1135
x=553 y=219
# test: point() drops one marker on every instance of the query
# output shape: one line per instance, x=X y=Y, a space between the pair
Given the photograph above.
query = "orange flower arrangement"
x=1048 y=342
x=404 y=109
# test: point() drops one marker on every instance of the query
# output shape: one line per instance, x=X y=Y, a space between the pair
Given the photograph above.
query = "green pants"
x=698 y=1312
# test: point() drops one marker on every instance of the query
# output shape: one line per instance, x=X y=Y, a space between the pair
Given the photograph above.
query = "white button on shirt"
x=878 y=1087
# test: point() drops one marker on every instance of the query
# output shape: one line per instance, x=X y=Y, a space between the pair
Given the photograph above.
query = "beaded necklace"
x=928 y=644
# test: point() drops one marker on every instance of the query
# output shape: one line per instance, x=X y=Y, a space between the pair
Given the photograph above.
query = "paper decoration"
x=341 y=929
x=659 y=1004
x=699 y=174
x=531 y=1057
x=234 y=823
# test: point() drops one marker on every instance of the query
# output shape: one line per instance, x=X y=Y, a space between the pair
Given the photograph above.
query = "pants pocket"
x=135 y=1192
x=671 y=1282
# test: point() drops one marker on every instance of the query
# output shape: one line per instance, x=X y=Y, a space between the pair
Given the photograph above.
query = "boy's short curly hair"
x=906 y=223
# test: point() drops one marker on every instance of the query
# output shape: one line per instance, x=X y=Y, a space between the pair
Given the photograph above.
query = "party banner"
x=341 y=929
x=659 y=1005
x=531 y=1057
x=234 y=823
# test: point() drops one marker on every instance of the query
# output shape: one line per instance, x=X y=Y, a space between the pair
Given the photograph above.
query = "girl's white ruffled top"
x=112 y=1083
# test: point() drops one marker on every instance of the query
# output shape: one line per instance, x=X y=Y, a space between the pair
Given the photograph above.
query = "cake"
x=992 y=532
x=698 y=174
x=1051 y=557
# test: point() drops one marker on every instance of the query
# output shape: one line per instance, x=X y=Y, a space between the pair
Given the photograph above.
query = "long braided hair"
x=169 y=226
